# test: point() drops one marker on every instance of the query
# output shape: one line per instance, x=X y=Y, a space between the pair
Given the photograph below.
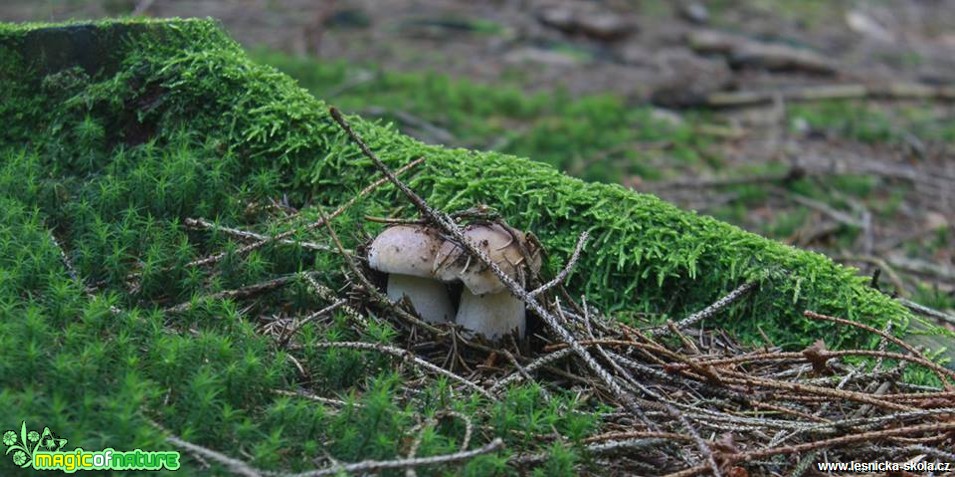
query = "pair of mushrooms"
x=420 y=262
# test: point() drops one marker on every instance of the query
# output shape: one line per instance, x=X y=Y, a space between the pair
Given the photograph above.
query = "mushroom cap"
x=503 y=246
x=405 y=250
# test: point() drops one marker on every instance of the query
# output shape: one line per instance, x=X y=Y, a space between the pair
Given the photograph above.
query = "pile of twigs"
x=708 y=405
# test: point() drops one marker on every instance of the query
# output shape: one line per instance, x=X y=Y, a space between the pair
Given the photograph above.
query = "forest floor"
x=824 y=124
x=827 y=125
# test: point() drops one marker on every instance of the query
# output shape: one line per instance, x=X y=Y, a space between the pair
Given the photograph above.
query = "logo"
x=44 y=451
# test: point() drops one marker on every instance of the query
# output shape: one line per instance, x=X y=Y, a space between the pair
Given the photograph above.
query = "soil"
x=635 y=48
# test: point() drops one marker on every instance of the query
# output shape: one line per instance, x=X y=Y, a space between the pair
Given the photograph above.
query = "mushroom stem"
x=492 y=315
x=429 y=297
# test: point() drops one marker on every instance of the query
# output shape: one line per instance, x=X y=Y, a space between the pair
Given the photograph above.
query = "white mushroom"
x=406 y=253
x=487 y=307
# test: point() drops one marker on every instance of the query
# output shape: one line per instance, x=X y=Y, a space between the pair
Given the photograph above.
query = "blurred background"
x=825 y=124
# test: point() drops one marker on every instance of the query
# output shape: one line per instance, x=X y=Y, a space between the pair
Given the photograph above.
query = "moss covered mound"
x=163 y=78
x=119 y=131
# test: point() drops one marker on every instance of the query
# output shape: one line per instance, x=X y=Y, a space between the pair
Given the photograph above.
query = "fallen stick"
x=404 y=354
x=284 y=235
x=891 y=91
x=710 y=310
x=243 y=292
x=203 y=224
x=926 y=311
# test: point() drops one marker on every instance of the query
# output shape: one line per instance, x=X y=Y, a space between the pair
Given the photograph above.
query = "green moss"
x=593 y=137
x=183 y=124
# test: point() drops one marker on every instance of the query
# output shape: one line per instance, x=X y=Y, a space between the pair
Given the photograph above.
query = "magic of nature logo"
x=44 y=451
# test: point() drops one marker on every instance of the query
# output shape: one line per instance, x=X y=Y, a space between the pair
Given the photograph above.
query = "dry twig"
x=284 y=235
x=407 y=355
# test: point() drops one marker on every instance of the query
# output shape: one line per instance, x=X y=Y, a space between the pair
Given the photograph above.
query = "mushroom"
x=487 y=307
x=406 y=253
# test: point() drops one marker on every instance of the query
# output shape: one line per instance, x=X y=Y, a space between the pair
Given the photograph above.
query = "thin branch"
x=523 y=372
x=468 y=426
x=871 y=329
x=70 y=269
x=313 y=397
x=746 y=380
x=243 y=292
x=567 y=268
x=597 y=448
x=408 y=355
x=308 y=319
x=919 y=357
x=709 y=311
x=235 y=466
x=538 y=363
x=413 y=451
x=239 y=467
x=837 y=215
x=373 y=466
x=843 y=440
x=701 y=445
x=328 y=295
x=284 y=235
x=926 y=311
x=204 y=224
x=831 y=92
x=799 y=355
